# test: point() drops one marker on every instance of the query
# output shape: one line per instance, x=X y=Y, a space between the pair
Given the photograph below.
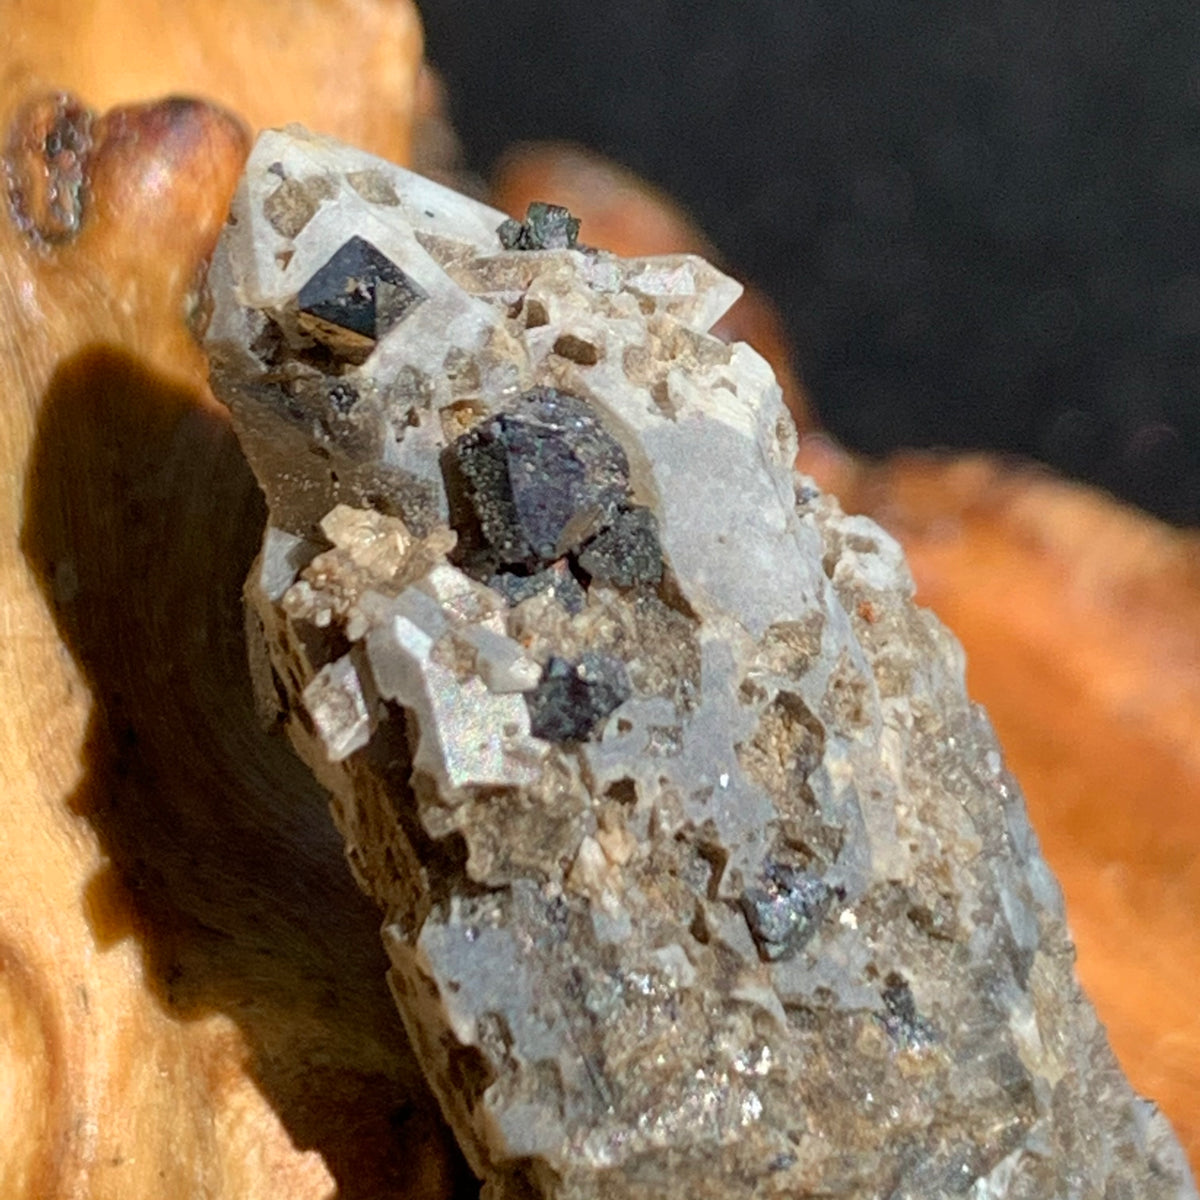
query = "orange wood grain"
x=343 y=67
x=191 y=988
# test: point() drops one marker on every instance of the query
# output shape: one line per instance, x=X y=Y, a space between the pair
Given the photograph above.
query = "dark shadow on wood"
x=141 y=521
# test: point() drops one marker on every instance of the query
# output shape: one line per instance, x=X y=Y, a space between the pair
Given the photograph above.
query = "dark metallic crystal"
x=785 y=910
x=901 y=1018
x=360 y=290
x=573 y=698
x=567 y=590
x=627 y=552
x=546 y=227
x=529 y=485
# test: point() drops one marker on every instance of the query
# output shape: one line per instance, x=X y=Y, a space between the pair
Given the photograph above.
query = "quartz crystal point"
x=702 y=876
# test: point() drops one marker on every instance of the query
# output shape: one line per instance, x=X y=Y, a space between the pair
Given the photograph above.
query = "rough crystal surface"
x=701 y=873
x=571 y=699
x=546 y=227
x=533 y=483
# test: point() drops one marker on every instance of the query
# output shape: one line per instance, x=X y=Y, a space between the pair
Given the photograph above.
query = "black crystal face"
x=572 y=699
x=557 y=580
x=357 y=297
x=627 y=552
x=784 y=912
x=901 y=1018
x=528 y=486
x=546 y=227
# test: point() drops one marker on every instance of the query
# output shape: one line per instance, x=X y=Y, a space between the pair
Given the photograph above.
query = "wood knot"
x=46 y=167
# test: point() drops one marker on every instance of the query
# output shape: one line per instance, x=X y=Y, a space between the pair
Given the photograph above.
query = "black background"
x=981 y=222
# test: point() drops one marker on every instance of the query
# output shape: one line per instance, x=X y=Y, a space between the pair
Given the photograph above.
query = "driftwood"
x=190 y=986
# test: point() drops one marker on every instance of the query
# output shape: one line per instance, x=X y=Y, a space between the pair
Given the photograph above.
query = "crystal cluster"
x=701 y=874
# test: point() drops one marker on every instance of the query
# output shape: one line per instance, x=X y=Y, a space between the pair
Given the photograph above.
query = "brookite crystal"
x=697 y=881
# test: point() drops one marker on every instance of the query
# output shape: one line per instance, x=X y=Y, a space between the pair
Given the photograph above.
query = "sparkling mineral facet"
x=557 y=580
x=626 y=551
x=697 y=883
x=528 y=485
x=546 y=227
x=785 y=910
x=571 y=699
x=356 y=297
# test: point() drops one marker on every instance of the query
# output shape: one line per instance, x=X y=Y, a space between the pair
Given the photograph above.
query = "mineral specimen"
x=546 y=227
x=533 y=483
x=355 y=298
x=701 y=874
x=573 y=698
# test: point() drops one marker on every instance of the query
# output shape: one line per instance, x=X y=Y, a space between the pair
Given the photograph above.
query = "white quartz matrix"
x=702 y=877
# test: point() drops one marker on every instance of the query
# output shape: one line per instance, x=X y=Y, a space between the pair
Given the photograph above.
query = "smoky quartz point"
x=697 y=881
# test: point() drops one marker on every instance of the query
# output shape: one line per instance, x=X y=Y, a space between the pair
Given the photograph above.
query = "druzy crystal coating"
x=546 y=227
x=701 y=874
x=536 y=481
